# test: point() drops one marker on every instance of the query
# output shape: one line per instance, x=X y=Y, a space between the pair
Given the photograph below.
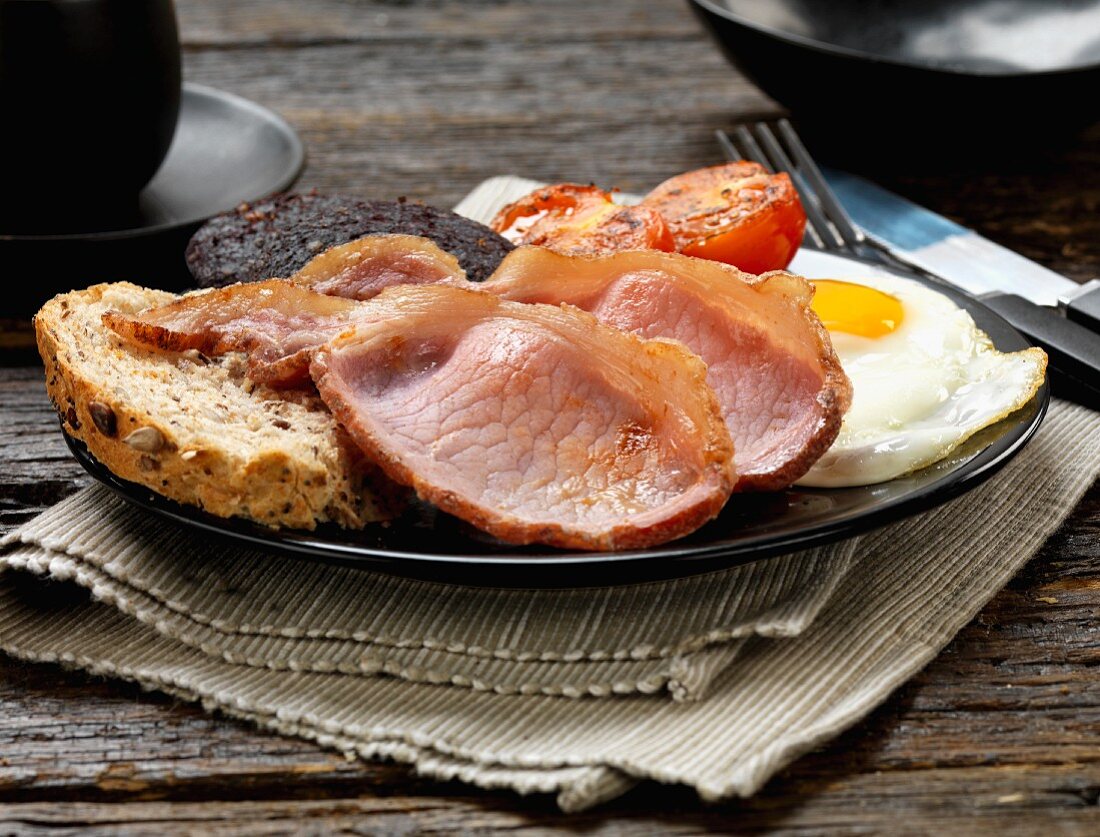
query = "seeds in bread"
x=196 y=429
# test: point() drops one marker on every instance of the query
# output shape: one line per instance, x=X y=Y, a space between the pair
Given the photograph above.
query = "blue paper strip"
x=888 y=216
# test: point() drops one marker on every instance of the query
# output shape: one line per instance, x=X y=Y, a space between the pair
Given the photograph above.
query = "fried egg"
x=924 y=378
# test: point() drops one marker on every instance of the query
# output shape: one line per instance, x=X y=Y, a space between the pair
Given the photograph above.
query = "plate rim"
x=286 y=179
x=667 y=560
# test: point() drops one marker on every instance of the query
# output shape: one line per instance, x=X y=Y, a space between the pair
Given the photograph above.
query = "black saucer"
x=226 y=150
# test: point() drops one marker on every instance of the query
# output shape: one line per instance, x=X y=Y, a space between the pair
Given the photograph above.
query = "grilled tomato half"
x=575 y=220
x=735 y=213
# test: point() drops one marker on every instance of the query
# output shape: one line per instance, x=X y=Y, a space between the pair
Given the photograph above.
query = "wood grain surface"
x=425 y=99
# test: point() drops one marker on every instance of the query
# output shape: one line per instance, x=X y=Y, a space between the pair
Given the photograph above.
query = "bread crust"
x=314 y=480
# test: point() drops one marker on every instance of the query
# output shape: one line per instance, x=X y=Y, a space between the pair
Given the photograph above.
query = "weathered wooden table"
x=425 y=99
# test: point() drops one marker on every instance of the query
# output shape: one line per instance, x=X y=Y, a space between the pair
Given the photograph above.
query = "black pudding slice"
x=278 y=235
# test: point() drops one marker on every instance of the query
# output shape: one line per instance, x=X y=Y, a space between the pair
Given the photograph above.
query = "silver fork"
x=829 y=226
x=1074 y=350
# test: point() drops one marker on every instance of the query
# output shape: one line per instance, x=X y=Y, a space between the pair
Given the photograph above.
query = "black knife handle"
x=1073 y=350
x=1084 y=308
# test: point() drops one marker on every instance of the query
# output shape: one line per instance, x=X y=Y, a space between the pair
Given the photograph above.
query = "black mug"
x=90 y=94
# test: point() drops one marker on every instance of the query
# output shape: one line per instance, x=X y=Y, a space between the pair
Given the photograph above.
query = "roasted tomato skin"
x=575 y=219
x=735 y=213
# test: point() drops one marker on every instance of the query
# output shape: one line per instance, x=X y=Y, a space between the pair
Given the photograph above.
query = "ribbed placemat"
x=296 y=654
x=298 y=615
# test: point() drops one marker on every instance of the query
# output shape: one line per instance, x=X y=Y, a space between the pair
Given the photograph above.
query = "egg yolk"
x=856 y=309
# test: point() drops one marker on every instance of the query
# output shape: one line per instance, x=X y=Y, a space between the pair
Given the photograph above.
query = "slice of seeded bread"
x=196 y=429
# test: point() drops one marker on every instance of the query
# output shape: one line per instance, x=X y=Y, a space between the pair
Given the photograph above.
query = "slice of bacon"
x=534 y=423
x=366 y=266
x=277 y=323
x=769 y=359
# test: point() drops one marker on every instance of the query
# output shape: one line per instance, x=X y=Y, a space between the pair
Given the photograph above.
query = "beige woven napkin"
x=245 y=608
x=479 y=684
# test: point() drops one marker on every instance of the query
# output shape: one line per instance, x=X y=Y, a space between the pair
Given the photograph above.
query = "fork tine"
x=749 y=143
x=849 y=232
x=809 y=199
x=820 y=235
x=728 y=147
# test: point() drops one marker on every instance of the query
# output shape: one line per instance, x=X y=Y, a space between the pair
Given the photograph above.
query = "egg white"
x=921 y=390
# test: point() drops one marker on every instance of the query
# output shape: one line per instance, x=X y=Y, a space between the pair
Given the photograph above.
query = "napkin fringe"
x=684 y=676
x=75 y=528
x=577 y=788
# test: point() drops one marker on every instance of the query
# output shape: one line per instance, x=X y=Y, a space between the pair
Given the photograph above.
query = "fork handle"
x=1073 y=350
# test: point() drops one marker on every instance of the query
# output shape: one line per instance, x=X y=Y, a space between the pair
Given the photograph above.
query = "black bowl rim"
x=298 y=152
x=718 y=10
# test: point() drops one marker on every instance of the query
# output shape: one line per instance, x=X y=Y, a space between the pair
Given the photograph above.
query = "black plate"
x=942 y=77
x=226 y=150
x=428 y=543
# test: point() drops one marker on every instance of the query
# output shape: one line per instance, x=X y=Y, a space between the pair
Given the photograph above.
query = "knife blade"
x=1027 y=294
x=923 y=239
